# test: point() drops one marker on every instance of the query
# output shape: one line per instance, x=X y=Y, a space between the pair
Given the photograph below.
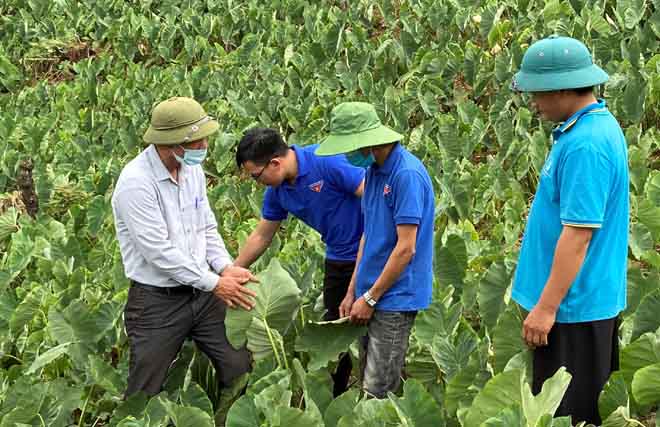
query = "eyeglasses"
x=256 y=176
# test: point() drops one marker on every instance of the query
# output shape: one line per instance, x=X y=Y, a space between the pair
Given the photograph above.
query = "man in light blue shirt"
x=182 y=278
x=571 y=274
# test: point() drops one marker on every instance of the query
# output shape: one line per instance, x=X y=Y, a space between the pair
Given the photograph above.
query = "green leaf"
x=620 y=418
x=342 y=405
x=277 y=302
x=439 y=318
x=106 y=376
x=451 y=262
x=492 y=295
x=649 y=215
x=324 y=343
x=417 y=408
x=646 y=316
x=243 y=413
x=196 y=397
x=507 y=340
x=643 y=352
x=501 y=391
x=47 y=357
x=646 y=385
x=185 y=416
x=8 y=223
x=548 y=400
x=449 y=352
x=371 y=413
x=509 y=417
x=614 y=395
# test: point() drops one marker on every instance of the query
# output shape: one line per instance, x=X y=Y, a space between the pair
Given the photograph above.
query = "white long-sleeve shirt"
x=166 y=230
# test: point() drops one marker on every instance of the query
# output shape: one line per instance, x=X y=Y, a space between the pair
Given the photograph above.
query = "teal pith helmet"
x=179 y=120
x=557 y=63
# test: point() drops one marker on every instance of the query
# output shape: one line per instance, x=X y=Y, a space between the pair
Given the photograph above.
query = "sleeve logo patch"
x=317 y=186
x=387 y=190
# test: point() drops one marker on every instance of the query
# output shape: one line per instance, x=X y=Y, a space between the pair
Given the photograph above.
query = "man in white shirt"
x=182 y=278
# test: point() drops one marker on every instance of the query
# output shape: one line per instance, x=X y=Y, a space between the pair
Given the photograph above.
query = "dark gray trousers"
x=157 y=324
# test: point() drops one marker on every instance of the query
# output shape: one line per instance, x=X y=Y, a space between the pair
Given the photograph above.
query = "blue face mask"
x=356 y=158
x=191 y=157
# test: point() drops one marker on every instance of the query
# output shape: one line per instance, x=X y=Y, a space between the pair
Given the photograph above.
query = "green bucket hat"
x=557 y=63
x=355 y=125
x=179 y=120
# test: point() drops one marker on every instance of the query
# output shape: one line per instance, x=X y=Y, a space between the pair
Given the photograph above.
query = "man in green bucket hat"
x=393 y=275
x=181 y=275
x=571 y=273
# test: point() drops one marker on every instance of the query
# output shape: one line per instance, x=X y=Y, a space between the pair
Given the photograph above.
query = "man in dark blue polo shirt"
x=394 y=275
x=323 y=192
x=571 y=275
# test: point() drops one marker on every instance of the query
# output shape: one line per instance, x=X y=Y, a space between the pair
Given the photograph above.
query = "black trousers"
x=336 y=279
x=590 y=353
x=157 y=323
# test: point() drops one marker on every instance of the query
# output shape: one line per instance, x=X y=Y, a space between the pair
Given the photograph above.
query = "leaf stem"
x=273 y=346
x=84 y=408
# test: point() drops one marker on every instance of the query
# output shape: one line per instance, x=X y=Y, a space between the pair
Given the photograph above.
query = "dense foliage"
x=78 y=80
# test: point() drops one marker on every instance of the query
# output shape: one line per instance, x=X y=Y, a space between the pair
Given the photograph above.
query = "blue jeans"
x=384 y=351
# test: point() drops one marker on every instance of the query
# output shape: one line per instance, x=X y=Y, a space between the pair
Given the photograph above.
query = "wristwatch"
x=369 y=299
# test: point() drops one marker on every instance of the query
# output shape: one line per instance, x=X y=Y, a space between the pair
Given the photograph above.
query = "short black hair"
x=259 y=145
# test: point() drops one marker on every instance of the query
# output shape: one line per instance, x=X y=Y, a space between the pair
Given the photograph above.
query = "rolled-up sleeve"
x=139 y=210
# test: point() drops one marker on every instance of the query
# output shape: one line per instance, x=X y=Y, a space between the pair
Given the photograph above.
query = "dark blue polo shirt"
x=399 y=192
x=323 y=197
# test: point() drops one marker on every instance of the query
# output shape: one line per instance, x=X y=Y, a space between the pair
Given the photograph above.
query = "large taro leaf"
x=548 y=400
x=341 y=406
x=371 y=413
x=620 y=418
x=316 y=389
x=646 y=385
x=262 y=341
x=507 y=340
x=417 y=408
x=451 y=262
x=492 y=295
x=501 y=391
x=185 y=416
x=277 y=302
x=438 y=319
x=646 y=316
x=509 y=417
x=325 y=342
x=642 y=352
x=465 y=385
x=243 y=413
x=614 y=395
x=449 y=352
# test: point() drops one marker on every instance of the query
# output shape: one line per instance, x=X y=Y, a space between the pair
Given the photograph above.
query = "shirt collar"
x=564 y=127
x=303 y=164
x=391 y=160
x=157 y=166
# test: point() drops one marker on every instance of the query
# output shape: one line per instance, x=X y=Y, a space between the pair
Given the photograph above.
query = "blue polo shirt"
x=399 y=192
x=584 y=183
x=323 y=197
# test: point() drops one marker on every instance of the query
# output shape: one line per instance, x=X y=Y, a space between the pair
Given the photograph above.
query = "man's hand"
x=361 y=312
x=537 y=325
x=346 y=304
x=233 y=292
x=239 y=273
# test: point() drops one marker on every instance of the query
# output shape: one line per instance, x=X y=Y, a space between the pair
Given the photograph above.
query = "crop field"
x=78 y=81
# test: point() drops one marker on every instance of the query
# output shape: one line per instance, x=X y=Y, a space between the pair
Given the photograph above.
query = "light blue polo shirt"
x=399 y=192
x=323 y=197
x=584 y=183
